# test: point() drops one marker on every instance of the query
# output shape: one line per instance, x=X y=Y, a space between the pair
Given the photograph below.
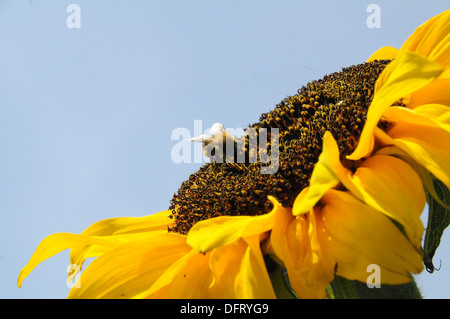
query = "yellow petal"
x=293 y=240
x=288 y=238
x=326 y=174
x=161 y=288
x=385 y=53
x=391 y=186
x=437 y=92
x=428 y=115
x=128 y=225
x=123 y=229
x=191 y=279
x=390 y=149
x=253 y=279
x=406 y=74
x=81 y=253
x=439 y=114
x=57 y=243
x=432 y=39
x=357 y=236
x=131 y=268
x=424 y=140
x=220 y=231
x=236 y=270
x=240 y=271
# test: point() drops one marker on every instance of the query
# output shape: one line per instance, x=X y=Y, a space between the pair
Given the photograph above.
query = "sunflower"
x=356 y=150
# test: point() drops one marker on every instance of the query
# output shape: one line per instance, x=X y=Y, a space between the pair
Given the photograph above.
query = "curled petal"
x=437 y=113
x=436 y=92
x=326 y=174
x=241 y=271
x=221 y=231
x=293 y=240
x=391 y=186
x=356 y=236
x=406 y=74
x=423 y=139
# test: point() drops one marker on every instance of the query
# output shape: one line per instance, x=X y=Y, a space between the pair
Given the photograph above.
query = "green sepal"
x=404 y=291
x=343 y=288
x=352 y=289
x=438 y=220
x=281 y=285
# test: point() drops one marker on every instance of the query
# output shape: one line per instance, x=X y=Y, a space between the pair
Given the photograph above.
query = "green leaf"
x=438 y=220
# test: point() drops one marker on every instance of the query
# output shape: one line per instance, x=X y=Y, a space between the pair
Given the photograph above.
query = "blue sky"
x=86 y=115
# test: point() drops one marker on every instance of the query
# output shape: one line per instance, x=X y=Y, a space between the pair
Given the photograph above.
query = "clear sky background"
x=86 y=115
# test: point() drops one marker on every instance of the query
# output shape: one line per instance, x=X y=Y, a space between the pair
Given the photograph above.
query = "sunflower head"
x=337 y=103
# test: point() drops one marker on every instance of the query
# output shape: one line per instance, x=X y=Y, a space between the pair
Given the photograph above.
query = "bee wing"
x=201 y=138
